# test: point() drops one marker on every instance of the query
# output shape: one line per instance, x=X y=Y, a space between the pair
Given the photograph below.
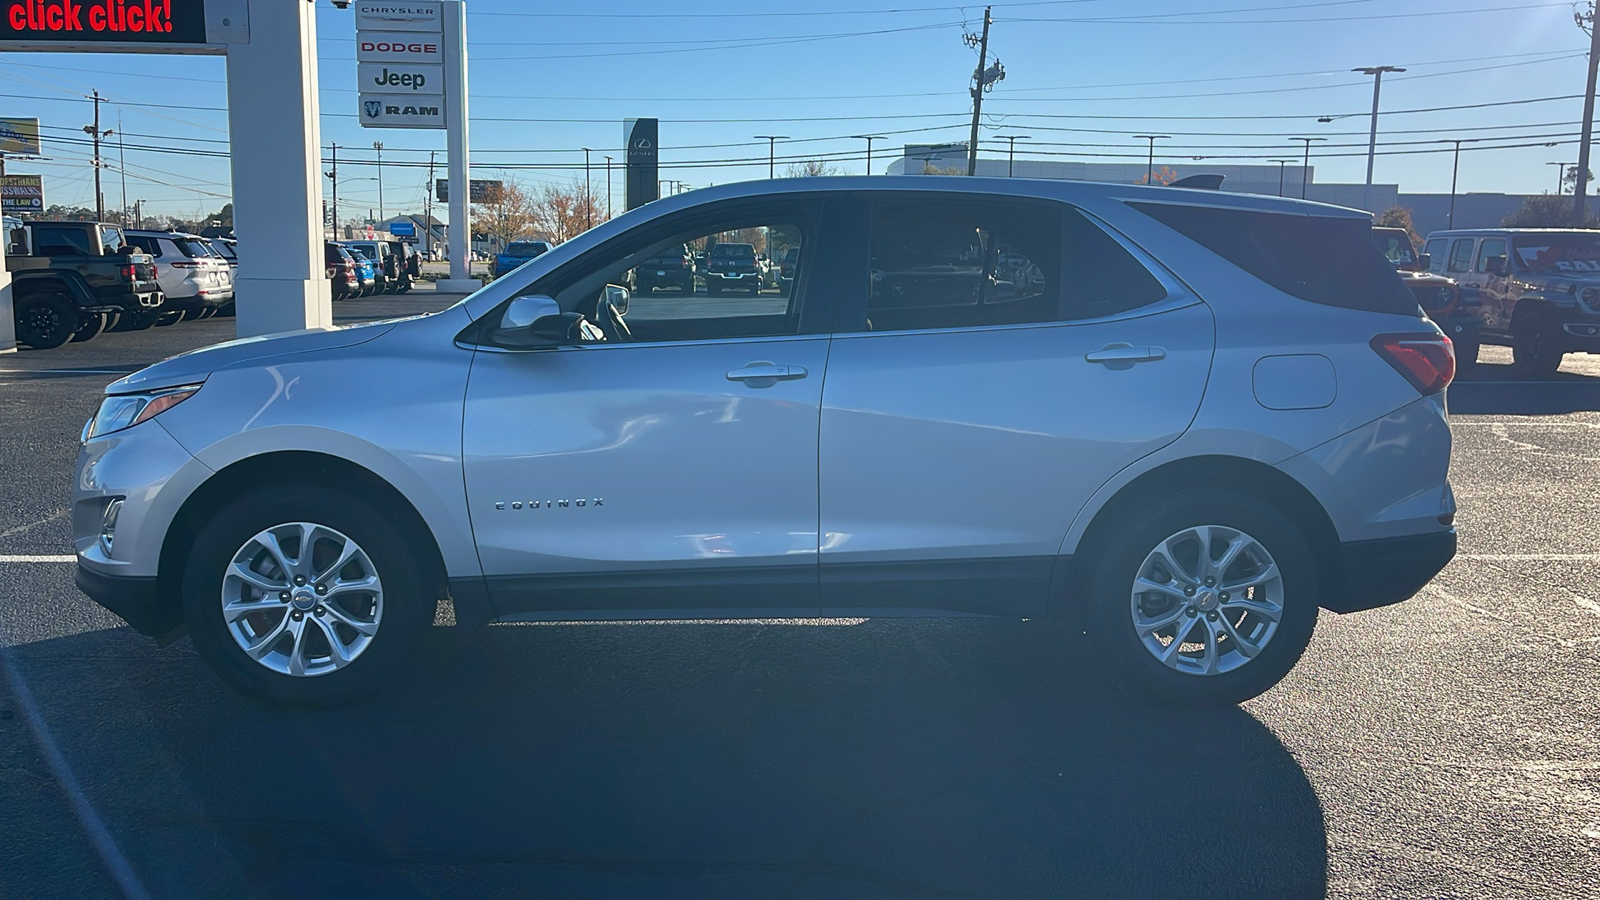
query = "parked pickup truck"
x=517 y=253
x=72 y=280
x=1440 y=297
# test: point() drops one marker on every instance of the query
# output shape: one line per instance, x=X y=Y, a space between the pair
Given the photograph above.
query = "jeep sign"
x=400 y=78
x=401 y=111
x=398 y=47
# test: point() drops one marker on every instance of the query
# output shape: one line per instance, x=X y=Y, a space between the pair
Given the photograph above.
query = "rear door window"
x=1491 y=248
x=1323 y=259
x=49 y=241
x=1461 y=256
x=110 y=241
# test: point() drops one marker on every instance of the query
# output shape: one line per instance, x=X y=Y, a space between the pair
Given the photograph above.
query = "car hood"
x=1559 y=281
x=196 y=365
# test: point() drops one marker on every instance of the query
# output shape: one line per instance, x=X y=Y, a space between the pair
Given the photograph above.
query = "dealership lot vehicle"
x=733 y=266
x=1439 y=297
x=1191 y=490
x=1536 y=290
x=515 y=254
x=384 y=268
x=72 y=280
x=341 y=269
x=194 y=279
x=366 y=271
x=672 y=268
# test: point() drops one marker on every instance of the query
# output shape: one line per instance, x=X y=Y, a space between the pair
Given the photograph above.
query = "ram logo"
x=372 y=108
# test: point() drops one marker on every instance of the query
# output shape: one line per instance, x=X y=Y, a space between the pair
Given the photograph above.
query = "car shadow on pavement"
x=931 y=758
x=1497 y=390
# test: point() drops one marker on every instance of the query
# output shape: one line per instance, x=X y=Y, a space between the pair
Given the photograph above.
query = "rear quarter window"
x=1328 y=260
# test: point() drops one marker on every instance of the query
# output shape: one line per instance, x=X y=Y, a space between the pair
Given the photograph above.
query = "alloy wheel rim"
x=302 y=599
x=1207 y=600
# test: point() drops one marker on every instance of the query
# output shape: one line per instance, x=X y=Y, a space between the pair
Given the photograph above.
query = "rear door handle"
x=766 y=374
x=1125 y=356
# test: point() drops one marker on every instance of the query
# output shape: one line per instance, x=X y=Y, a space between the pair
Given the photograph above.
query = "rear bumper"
x=134 y=599
x=1388 y=570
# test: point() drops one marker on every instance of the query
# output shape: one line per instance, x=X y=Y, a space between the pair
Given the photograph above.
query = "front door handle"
x=766 y=374
x=1125 y=356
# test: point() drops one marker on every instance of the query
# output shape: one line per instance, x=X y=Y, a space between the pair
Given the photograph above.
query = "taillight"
x=184 y=265
x=1428 y=361
x=130 y=273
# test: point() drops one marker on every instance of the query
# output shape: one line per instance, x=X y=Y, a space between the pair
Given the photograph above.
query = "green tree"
x=1546 y=211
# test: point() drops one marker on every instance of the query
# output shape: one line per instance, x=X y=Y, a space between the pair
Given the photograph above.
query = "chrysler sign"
x=385 y=15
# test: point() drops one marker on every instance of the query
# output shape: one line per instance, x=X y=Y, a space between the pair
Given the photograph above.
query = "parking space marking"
x=1531 y=557
x=65 y=558
x=93 y=826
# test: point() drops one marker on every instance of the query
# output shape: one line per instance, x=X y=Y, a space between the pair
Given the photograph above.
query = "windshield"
x=1396 y=246
x=733 y=251
x=1575 y=252
x=525 y=248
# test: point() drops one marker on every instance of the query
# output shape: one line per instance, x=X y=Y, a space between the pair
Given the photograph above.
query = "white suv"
x=1183 y=421
x=196 y=280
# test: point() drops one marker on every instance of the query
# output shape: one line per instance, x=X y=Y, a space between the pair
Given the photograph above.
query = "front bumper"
x=1582 y=335
x=134 y=599
x=1388 y=570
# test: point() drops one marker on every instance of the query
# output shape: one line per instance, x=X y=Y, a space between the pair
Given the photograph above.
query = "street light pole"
x=869 y=138
x=1281 y=163
x=1580 y=193
x=608 y=188
x=1011 y=152
x=1561 y=174
x=335 y=176
x=1150 y=169
x=1372 y=138
x=588 y=202
x=1455 y=169
x=1305 y=166
x=772 y=142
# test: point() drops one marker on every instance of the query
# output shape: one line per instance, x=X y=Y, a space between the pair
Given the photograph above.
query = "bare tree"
x=560 y=212
x=1163 y=175
x=810 y=168
x=506 y=214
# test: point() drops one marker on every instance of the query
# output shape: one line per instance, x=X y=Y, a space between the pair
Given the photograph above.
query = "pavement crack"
x=22 y=529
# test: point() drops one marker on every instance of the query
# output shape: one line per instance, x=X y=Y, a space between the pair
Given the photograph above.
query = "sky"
x=1230 y=80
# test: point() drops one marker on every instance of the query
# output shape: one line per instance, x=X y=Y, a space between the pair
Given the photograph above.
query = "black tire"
x=1466 y=356
x=193 y=315
x=407 y=612
x=138 y=320
x=1531 y=353
x=45 y=320
x=1115 y=559
x=113 y=319
x=91 y=324
x=170 y=317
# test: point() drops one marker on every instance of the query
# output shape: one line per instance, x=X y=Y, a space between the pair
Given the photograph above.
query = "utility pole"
x=378 y=146
x=335 y=176
x=1580 y=194
x=1372 y=138
x=980 y=81
x=1450 y=221
x=1281 y=163
x=138 y=213
x=122 y=163
x=772 y=142
x=588 y=196
x=1305 y=167
x=1561 y=175
x=1011 y=152
x=95 y=132
x=869 y=138
x=427 y=207
x=1150 y=165
x=608 y=188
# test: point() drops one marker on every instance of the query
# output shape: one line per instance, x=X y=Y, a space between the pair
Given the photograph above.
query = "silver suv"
x=1537 y=290
x=1181 y=421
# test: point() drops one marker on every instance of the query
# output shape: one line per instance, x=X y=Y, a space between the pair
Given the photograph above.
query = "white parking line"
x=1531 y=557
x=68 y=558
x=66 y=371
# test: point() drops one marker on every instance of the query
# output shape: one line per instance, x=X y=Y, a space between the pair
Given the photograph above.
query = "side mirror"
x=1497 y=265
x=617 y=296
x=535 y=321
x=1424 y=262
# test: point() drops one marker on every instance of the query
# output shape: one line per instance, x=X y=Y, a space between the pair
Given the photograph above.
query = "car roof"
x=148 y=232
x=1477 y=232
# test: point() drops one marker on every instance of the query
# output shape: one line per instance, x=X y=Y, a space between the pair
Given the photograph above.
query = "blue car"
x=366 y=272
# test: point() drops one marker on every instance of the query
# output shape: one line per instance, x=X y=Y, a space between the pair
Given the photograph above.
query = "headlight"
x=121 y=411
x=1446 y=294
x=1590 y=296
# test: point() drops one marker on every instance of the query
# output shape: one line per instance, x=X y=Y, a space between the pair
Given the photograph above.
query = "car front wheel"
x=45 y=321
x=1202 y=600
x=304 y=596
x=1531 y=350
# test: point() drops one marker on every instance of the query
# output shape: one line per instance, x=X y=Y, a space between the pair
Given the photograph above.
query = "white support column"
x=8 y=321
x=277 y=171
x=455 y=120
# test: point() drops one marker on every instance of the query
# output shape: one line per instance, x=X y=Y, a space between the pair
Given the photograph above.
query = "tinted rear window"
x=733 y=251
x=191 y=248
x=525 y=248
x=1327 y=260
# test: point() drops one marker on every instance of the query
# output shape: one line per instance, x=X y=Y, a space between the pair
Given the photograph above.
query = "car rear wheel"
x=113 y=319
x=1202 y=599
x=170 y=317
x=90 y=325
x=1531 y=350
x=45 y=321
x=304 y=596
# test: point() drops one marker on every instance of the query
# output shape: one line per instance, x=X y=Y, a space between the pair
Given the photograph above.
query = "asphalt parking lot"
x=1445 y=747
